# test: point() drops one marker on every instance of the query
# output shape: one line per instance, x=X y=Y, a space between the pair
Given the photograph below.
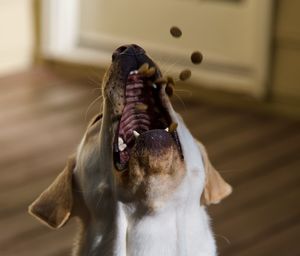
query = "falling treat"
x=172 y=127
x=169 y=89
x=196 y=57
x=185 y=74
x=141 y=107
x=175 y=32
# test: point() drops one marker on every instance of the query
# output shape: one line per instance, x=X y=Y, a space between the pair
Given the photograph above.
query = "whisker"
x=230 y=171
x=91 y=104
x=169 y=68
x=189 y=92
x=225 y=238
x=181 y=101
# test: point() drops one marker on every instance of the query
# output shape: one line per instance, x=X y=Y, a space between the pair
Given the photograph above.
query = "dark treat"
x=196 y=57
x=185 y=74
x=175 y=32
x=169 y=89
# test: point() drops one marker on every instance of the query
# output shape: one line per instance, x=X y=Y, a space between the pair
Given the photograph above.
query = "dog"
x=139 y=182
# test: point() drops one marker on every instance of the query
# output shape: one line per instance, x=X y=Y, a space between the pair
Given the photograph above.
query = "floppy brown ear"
x=216 y=188
x=53 y=207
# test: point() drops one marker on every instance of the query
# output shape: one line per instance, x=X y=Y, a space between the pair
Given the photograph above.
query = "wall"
x=16 y=30
x=232 y=35
x=286 y=69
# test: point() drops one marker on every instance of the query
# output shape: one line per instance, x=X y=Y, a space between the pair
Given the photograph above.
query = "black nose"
x=130 y=49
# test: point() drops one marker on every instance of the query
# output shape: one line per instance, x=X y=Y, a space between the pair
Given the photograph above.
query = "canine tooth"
x=154 y=86
x=136 y=134
x=143 y=69
x=167 y=129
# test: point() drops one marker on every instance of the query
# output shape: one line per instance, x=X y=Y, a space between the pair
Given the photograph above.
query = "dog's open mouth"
x=144 y=110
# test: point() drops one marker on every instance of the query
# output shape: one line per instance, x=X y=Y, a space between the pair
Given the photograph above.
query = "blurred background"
x=242 y=102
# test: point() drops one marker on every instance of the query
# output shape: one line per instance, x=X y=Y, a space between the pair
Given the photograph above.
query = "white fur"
x=181 y=227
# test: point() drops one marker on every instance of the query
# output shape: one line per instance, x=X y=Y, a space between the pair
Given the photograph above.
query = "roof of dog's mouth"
x=144 y=110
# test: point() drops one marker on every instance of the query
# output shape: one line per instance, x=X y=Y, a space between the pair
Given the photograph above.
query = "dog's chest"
x=181 y=231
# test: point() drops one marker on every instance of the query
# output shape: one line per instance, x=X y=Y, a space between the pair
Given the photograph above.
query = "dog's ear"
x=216 y=188
x=53 y=207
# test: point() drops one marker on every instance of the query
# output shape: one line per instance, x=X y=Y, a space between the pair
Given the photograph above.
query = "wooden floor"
x=42 y=118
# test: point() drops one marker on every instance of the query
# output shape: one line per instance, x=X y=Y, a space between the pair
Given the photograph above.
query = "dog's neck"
x=179 y=228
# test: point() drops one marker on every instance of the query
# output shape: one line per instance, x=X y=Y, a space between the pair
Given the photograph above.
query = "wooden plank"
x=243 y=229
x=246 y=136
x=250 y=163
x=28 y=108
x=266 y=186
x=46 y=244
x=18 y=199
x=18 y=226
x=43 y=137
x=216 y=128
x=35 y=167
x=283 y=242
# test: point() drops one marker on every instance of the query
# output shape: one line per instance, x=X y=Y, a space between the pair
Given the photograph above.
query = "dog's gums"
x=143 y=111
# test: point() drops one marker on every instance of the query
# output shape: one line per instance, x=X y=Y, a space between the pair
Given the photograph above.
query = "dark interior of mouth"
x=143 y=111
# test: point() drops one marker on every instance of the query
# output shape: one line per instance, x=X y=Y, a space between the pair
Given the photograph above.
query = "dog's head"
x=139 y=151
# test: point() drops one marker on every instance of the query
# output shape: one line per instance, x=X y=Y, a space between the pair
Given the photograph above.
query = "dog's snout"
x=131 y=49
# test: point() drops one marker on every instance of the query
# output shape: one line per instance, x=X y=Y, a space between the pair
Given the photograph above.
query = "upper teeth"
x=134 y=72
x=121 y=144
x=167 y=129
x=136 y=134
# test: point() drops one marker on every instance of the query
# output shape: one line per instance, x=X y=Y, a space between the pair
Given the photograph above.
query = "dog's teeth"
x=167 y=129
x=120 y=141
x=121 y=144
x=122 y=147
x=169 y=89
x=154 y=86
x=134 y=72
x=136 y=134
